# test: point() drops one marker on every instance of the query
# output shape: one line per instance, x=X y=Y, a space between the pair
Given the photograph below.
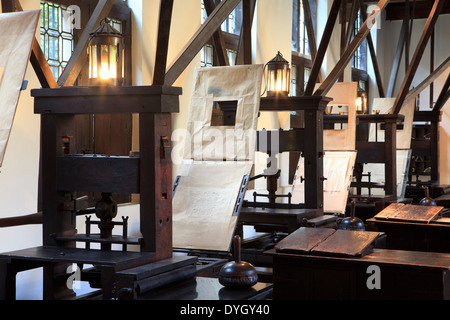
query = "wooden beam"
x=246 y=32
x=351 y=22
x=396 y=11
x=373 y=55
x=346 y=57
x=219 y=42
x=31 y=219
x=443 y=96
x=79 y=55
x=425 y=83
x=428 y=29
x=310 y=29
x=41 y=67
x=165 y=21
x=317 y=62
x=8 y=6
x=199 y=39
x=37 y=57
x=240 y=59
x=431 y=68
x=397 y=58
x=408 y=33
x=343 y=13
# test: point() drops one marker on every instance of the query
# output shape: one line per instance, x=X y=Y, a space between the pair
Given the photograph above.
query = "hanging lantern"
x=278 y=76
x=106 y=52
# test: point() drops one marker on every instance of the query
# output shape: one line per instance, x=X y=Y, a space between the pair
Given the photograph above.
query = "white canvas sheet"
x=385 y=106
x=377 y=173
x=16 y=37
x=338 y=169
x=343 y=94
x=204 y=202
x=237 y=83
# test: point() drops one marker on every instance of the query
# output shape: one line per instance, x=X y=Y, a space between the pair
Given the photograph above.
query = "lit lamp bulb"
x=359 y=106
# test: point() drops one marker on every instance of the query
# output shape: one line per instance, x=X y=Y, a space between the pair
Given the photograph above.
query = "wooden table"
x=275 y=219
x=402 y=275
x=47 y=256
x=203 y=288
x=403 y=235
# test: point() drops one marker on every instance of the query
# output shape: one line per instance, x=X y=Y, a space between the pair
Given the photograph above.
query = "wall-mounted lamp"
x=106 y=52
x=278 y=76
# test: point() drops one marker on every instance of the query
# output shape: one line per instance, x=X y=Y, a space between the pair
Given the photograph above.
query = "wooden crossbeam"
x=246 y=33
x=310 y=29
x=219 y=42
x=373 y=54
x=343 y=13
x=443 y=96
x=346 y=57
x=397 y=58
x=317 y=62
x=203 y=34
x=351 y=22
x=79 y=55
x=428 y=29
x=428 y=80
x=244 y=50
x=165 y=21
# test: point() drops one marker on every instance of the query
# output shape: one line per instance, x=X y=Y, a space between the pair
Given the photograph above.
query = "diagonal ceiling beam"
x=428 y=29
x=204 y=33
x=219 y=42
x=310 y=29
x=397 y=58
x=79 y=55
x=165 y=21
x=347 y=55
x=428 y=80
x=244 y=50
x=443 y=96
x=373 y=54
x=317 y=62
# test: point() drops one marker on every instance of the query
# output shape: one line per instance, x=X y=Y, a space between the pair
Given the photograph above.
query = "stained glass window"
x=56 y=36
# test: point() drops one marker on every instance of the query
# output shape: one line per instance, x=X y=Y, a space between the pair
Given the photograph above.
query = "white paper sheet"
x=237 y=83
x=204 y=202
x=338 y=169
x=343 y=94
x=16 y=37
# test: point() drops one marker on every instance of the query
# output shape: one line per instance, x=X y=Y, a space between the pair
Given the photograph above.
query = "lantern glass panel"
x=123 y=63
x=104 y=64
x=93 y=62
x=272 y=80
x=113 y=62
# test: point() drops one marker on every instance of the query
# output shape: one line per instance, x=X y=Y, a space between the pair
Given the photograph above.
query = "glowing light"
x=104 y=71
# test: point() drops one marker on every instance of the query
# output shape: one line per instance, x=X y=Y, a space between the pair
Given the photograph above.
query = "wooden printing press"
x=323 y=171
x=119 y=274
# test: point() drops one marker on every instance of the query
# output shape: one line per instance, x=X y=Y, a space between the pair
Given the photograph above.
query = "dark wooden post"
x=155 y=183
